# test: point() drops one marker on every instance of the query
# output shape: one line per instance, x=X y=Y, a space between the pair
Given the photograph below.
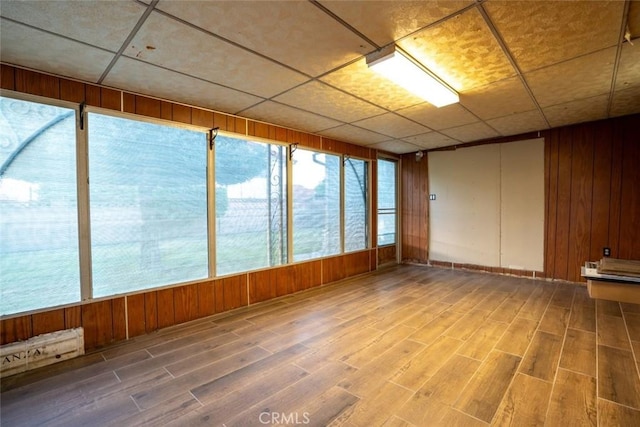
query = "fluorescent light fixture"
x=397 y=66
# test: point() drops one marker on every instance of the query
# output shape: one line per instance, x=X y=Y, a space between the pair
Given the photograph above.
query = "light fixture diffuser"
x=395 y=65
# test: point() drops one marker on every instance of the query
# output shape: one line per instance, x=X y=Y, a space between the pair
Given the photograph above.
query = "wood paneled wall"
x=414 y=202
x=111 y=320
x=592 y=198
x=592 y=194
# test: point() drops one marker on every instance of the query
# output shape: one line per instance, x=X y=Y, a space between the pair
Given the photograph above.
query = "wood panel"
x=237 y=125
x=185 y=303
x=332 y=145
x=259 y=286
x=259 y=129
x=148 y=107
x=563 y=211
x=119 y=317
x=71 y=91
x=93 y=95
x=166 y=112
x=278 y=281
x=166 y=311
x=136 y=315
x=414 y=177
x=111 y=99
x=616 y=188
x=181 y=113
x=304 y=139
x=15 y=329
x=49 y=321
x=201 y=117
x=630 y=192
x=593 y=194
x=97 y=321
x=386 y=254
x=128 y=103
x=333 y=269
x=581 y=202
x=357 y=263
x=7 y=77
x=206 y=298
x=234 y=292
x=151 y=311
x=72 y=317
x=600 y=208
x=37 y=84
x=551 y=196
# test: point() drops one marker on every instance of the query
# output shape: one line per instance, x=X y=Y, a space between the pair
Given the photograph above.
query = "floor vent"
x=41 y=350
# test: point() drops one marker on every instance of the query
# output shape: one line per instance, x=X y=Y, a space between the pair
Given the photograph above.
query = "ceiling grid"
x=518 y=66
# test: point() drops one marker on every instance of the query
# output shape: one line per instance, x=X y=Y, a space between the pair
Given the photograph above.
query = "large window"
x=387 y=202
x=39 y=264
x=316 y=204
x=95 y=204
x=356 y=223
x=251 y=205
x=148 y=204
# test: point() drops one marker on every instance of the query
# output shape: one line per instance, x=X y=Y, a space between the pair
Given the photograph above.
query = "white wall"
x=489 y=207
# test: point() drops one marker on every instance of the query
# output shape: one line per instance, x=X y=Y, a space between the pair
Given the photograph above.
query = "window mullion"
x=343 y=195
x=84 y=221
x=211 y=207
x=290 y=149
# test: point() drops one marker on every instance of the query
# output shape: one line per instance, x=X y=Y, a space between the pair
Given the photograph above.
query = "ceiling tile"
x=171 y=44
x=472 y=132
x=364 y=83
x=387 y=21
x=461 y=51
x=41 y=51
x=104 y=24
x=431 y=140
x=582 y=110
x=392 y=125
x=498 y=99
x=514 y=124
x=283 y=115
x=354 y=134
x=626 y=102
x=629 y=66
x=583 y=77
x=330 y=102
x=294 y=33
x=541 y=33
x=438 y=118
x=395 y=146
x=137 y=76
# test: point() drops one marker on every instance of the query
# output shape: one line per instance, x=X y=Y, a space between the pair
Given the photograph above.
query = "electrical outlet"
x=606 y=251
x=432 y=196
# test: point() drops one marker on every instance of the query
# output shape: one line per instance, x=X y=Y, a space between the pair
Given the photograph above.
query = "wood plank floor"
x=405 y=346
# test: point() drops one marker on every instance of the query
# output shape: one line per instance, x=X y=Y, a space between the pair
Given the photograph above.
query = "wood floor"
x=410 y=345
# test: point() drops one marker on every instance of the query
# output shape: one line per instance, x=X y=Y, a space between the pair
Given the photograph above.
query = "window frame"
x=291 y=229
x=211 y=181
x=368 y=203
x=396 y=210
x=79 y=160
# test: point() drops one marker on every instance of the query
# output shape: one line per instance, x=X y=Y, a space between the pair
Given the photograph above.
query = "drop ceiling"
x=519 y=66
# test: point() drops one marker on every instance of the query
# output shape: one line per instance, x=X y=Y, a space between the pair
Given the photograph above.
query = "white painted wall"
x=489 y=207
x=522 y=205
